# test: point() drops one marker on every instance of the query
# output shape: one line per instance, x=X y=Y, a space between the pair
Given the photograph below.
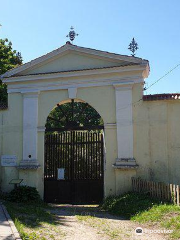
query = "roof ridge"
x=118 y=54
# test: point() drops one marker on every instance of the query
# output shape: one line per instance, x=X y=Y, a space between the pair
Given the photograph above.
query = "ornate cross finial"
x=133 y=47
x=72 y=34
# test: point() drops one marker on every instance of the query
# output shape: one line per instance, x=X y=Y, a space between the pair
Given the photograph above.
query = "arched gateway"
x=74 y=154
x=73 y=143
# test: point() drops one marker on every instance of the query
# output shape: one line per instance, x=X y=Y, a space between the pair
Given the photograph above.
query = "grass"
x=165 y=215
x=34 y=221
x=143 y=209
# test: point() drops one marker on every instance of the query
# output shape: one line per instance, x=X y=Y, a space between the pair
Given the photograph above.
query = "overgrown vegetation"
x=9 y=59
x=143 y=209
x=129 y=204
x=24 y=194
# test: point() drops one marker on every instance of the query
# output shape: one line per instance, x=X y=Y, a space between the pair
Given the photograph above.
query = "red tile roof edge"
x=162 y=96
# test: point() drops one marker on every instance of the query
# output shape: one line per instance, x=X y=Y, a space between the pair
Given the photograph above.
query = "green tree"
x=73 y=114
x=9 y=59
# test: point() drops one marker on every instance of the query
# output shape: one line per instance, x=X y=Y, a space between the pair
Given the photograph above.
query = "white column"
x=124 y=120
x=30 y=123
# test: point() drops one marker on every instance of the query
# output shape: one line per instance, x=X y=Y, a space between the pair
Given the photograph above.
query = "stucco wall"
x=156 y=137
x=11 y=137
x=157 y=140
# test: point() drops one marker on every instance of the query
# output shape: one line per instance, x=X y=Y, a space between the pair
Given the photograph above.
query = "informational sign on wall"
x=61 y=174
x=8 y=161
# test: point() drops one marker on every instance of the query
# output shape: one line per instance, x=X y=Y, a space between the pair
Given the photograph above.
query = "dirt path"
x=88 y=222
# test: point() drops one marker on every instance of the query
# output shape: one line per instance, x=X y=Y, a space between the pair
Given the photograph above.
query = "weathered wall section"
x=157 y=140
x=11 y=137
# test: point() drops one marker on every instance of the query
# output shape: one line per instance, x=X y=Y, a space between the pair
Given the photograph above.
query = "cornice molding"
x=78 y=83
x=71 y=74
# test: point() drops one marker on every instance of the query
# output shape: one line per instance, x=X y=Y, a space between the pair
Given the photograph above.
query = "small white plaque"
x=8 y=161
x=61 y=174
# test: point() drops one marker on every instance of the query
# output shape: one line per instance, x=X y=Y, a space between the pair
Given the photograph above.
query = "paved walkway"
x=5 y=229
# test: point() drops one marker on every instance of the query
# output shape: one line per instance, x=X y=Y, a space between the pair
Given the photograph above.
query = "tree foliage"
x=9 y=59
x=78 y=114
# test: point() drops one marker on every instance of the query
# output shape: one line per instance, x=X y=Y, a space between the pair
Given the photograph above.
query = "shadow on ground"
x=35 y=215
x=62 y=210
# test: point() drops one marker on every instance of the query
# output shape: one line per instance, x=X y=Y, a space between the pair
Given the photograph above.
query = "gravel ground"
x=88 y=222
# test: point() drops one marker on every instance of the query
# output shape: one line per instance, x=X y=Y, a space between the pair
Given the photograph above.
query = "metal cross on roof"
x=72 y=34
x=133 y=47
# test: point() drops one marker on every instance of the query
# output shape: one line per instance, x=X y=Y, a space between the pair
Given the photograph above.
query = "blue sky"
x=36 y=27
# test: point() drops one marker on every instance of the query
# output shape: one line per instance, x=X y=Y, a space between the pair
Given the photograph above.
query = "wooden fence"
x=168 y=192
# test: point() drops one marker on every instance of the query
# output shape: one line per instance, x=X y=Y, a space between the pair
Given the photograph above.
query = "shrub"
x=129 y=204
x=24 y=194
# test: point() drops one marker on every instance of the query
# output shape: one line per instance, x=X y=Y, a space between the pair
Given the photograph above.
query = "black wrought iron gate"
x=74 y=167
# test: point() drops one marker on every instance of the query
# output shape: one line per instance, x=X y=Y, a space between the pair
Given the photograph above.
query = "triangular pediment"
x=71 y=58
x=73 y=61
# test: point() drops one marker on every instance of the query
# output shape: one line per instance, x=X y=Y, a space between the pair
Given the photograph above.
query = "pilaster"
x=124 y=122
x=30 y=123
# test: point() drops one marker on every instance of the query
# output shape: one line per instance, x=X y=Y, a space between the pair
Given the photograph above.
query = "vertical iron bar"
x=55 y=164
x=50 y=156
x=99 y=155
x=91 y=154
x=102 y=156
x=45 y=156
x=72 y=165
x=82 y=157
x=96 y=157
x=86 y=147
x=65 y=152
x=72 y=101
x=76 y=155
x=54 y=153
x=88 y=154
x=60 y=152
x=68 y=157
